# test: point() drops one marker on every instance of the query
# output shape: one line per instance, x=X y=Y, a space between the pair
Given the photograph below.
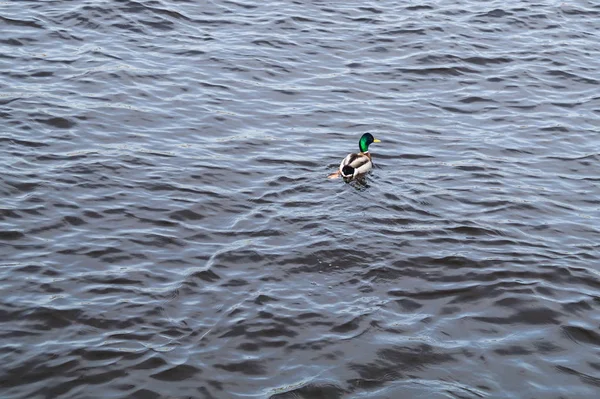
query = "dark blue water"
x=167 y=229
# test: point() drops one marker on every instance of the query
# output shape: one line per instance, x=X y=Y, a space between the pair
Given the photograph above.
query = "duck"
x=359 y=163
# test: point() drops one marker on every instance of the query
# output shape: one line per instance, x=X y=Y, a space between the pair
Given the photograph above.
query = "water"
x=167 y=229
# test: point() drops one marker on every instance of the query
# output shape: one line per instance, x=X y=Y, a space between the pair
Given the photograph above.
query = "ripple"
x=167 y=228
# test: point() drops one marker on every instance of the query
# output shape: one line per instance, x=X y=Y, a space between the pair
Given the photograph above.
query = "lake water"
x=167 y=229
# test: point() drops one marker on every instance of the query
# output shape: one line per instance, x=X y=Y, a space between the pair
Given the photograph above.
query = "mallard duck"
x=359 y=163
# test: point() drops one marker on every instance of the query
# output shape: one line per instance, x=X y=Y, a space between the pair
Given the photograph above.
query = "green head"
x=365 y=141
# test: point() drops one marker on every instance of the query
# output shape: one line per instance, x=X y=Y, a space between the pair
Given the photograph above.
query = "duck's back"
x=355 y=164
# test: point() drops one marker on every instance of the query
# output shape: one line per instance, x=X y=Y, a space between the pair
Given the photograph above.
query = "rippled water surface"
x=167 y=229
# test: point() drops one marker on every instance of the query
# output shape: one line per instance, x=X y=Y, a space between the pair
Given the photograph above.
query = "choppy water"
x=167 y=230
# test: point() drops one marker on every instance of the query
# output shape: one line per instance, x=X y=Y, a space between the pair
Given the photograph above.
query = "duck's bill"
x=376 y=141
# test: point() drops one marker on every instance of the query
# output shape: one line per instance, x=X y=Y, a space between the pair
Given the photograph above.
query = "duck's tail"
x=347 y=171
